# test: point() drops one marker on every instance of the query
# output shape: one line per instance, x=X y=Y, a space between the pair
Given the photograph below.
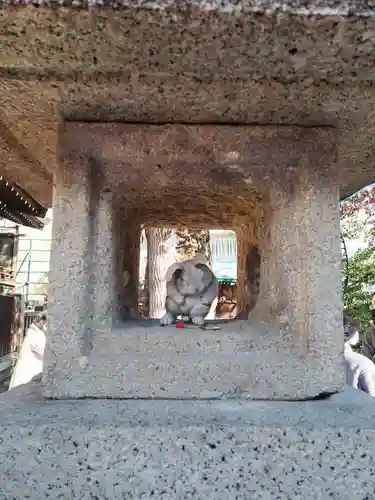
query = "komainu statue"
x=191 y=289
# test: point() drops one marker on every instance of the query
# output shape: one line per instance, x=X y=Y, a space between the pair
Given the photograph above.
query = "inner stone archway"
x=238 y=291
x=275 y=186
x=172 y=177
x=163 y=247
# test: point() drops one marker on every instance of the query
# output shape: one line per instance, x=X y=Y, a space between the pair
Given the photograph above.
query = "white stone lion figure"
x=191 y=289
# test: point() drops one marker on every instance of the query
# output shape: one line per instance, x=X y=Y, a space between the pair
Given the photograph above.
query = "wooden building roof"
x=19 y=207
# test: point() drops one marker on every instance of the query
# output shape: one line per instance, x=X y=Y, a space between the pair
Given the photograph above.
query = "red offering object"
x=180 y=324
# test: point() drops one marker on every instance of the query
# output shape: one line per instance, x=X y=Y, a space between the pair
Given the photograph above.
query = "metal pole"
x=28 y=273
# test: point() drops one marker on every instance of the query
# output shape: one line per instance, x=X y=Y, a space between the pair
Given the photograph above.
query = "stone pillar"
x=81 y=289
x=300 y=293
x=102 y=261
x=244 y=239
x=253 y=274
x=127 y=248
x=69 y=301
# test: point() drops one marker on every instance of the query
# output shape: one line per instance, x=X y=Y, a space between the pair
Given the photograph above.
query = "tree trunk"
x=160 y=255
x=193 y=241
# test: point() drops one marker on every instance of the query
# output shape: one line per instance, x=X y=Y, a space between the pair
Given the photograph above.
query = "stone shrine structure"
x=250 y=116
x=279 y=183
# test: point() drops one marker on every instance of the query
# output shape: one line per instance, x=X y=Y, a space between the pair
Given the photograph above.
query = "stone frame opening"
x=231 y=304
x=236 y=298
x=126 y=268
x=289 y=346
x=161 y=247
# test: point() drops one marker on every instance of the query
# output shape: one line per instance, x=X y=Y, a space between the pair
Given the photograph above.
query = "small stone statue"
x=191 y=289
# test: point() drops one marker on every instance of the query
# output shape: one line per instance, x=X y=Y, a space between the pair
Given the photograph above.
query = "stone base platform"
x=211 y=450
x=141 y=359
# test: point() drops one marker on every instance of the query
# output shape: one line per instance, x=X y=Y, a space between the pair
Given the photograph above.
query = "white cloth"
x=360 y=371
x=30 y=359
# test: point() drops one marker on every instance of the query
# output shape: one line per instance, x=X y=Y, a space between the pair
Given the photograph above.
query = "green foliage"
x=357 y=216
x=358 y=275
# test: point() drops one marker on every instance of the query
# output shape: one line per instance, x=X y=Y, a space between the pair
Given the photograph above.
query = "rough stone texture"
x=72 y=252
x=301 y=248
x=126 y=254
x=206 y=63
x=288 y=63
x=319 y=8
x=102 y=260
x=244 y=292
x=201 y=176
x=283 y=183
x=186 y=450
x=144 y=360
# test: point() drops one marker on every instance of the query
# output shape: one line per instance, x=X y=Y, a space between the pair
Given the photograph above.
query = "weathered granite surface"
x=141 y=359
x=361 y=8
x=111 y=450
x=195 y=175
x=303 y=63
x=284 y=184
